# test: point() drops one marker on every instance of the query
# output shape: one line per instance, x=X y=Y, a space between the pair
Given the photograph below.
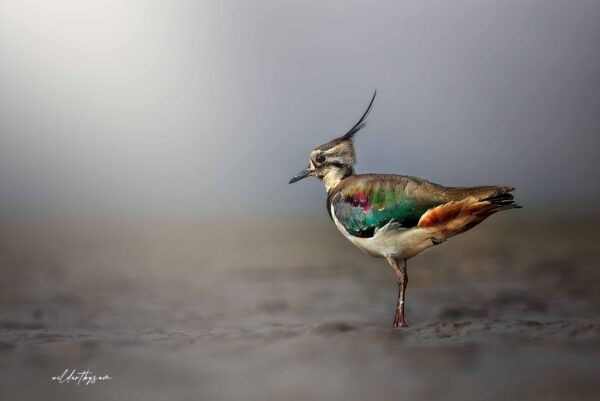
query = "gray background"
x=205 y=109
x=147 y=230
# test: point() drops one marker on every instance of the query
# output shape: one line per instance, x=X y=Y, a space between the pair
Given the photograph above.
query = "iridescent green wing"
x=367 y=203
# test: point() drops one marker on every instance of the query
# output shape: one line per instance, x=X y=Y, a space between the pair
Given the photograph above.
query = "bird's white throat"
x=333 y=177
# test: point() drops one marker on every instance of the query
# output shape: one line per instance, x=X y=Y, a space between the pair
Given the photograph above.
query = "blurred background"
x=148 y=230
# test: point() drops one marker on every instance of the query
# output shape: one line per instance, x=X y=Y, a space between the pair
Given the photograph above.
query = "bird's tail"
x=468 y=207
x=504 y=200
x=500 y=196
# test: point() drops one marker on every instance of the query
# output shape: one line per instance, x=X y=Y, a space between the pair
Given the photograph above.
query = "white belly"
x=390 y=243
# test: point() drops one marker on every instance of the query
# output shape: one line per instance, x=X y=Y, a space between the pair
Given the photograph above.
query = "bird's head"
x=334 y=160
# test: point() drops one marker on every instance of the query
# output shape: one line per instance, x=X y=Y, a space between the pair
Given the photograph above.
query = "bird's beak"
x=303 y=174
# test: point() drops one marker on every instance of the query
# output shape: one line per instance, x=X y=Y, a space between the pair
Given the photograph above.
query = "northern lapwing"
x=396 y=217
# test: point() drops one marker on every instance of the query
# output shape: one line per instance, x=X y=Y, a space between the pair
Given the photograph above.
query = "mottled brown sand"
x=182 y=311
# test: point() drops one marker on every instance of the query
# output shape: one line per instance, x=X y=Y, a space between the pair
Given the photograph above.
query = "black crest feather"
x=361 y=123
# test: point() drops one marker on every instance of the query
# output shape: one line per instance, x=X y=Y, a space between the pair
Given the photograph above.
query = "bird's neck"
x=333 y=176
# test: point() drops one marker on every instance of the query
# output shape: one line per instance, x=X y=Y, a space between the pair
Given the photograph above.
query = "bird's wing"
x=363 y=204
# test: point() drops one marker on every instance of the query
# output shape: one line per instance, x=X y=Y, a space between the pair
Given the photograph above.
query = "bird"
x=396 y=217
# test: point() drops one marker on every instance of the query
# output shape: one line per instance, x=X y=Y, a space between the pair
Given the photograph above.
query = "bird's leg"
x=399 y=267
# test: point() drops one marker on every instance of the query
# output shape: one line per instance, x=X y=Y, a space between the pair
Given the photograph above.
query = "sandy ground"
x=510 y=310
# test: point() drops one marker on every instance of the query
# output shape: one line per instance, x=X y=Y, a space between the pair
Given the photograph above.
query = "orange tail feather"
x=456 y=217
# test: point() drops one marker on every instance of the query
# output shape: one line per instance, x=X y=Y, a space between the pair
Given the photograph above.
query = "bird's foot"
x=399 y=319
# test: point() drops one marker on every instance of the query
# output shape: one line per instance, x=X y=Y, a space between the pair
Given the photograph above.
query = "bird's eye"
x=320 y=159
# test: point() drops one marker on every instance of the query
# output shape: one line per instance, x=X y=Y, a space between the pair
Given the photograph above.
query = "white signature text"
x=85 y=377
